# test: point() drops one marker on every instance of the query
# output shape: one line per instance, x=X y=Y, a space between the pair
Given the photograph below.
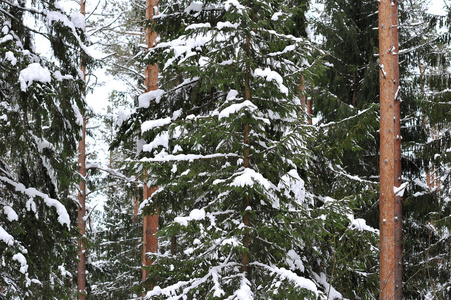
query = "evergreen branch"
x=112 y=172
x=188 y=157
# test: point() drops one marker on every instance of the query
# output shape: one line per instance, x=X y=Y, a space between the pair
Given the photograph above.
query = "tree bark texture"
x=81 y=222
x=150 y=222
x=150 y=227
x=397 y=150
x=390 y=266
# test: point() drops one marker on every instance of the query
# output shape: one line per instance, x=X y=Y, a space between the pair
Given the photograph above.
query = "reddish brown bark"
x=306 y=105
x=150 y=227
x=389 y=266
x=151 y=71
x=309 y=111
x=397 y=154
x=150 y=222
x=81 y=222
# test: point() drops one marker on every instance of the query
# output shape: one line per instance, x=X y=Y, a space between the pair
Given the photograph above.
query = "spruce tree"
x=426 y=138
x=240 y=214
x=40 y=108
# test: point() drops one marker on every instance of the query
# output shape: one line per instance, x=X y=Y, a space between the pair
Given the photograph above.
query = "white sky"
x=437 y=7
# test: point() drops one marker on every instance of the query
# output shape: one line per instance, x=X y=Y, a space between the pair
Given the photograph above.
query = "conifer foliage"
x=225 y=143
x=40 y=109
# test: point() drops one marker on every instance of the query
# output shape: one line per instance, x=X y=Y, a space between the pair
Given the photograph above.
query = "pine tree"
x=41 y=104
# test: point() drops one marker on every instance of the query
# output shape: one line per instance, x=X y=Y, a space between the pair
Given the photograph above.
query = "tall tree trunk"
x=150 y=227
x=306 y=103
x=397 y=151
x=246 y=163
x=389 y=267
x=81 y=269
x=150 y=222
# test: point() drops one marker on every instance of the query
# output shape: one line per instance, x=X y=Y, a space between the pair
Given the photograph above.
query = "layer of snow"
x=78 y=20
x=231 y=95
x=248 y=177
x=34 y=72
x=186 y=157
x=270 y=75
x=360 y=224
x=294 y=261
x=227 y=24
x=292 y=182
x=198 y=25
x=144 y=99
x=233 y=3
x=330 y=291
x=195 y=214
x=244 y=292
x=399 y=191
x=151 y=124
x=6 y=237
x=60 y=77
x=276 y=16
x=10 y=56
x=195 y=6
x=234 y=108
x=283 y=273
x=23 y=262
x=11 y=215
x=162 y=139
x=63 y=216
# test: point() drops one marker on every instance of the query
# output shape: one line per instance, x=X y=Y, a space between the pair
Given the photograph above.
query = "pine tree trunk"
x=150 y=227
x=246 y=163
x=81 y=269
x=397 y=167
x=389 y=267
x=150 y=222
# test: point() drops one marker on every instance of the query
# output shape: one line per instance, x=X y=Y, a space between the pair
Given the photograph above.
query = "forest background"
x=335 y=189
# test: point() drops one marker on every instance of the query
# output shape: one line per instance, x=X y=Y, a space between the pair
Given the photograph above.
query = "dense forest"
x=241 y=152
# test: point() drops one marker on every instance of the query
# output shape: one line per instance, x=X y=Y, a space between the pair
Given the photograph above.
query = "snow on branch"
x=151 y=124
x=112 y=172
x=360 y=112
x=63 y=216
x=6 y=237
x=399 y=191
x=192 y=284
x=187 y=157
x=33 y=72
x=285 y=274
x=77 y=22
